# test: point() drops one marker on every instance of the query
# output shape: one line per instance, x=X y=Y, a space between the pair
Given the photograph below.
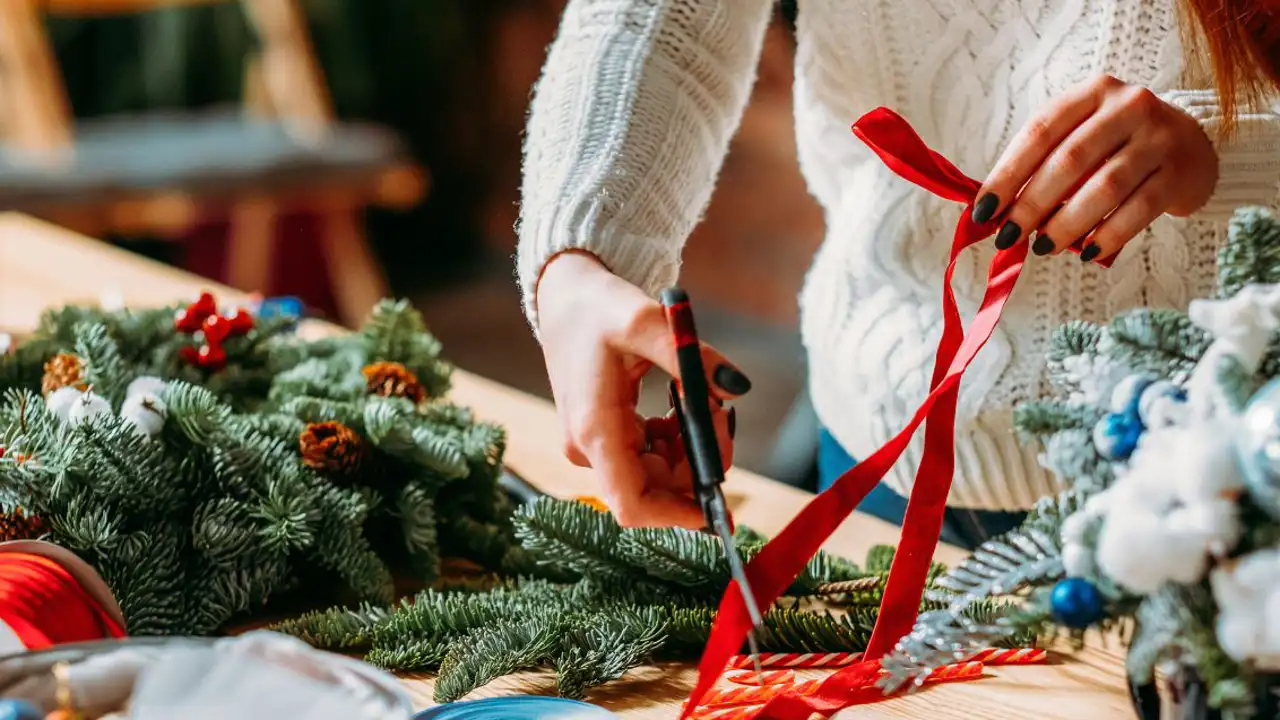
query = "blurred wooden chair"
x=159 y=174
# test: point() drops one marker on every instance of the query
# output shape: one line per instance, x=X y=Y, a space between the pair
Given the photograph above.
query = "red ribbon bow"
x=782 y=559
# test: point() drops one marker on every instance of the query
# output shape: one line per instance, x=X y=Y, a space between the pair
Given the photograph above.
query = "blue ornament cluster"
x=11 y=709
x=1076 y=603
x=1132 y=411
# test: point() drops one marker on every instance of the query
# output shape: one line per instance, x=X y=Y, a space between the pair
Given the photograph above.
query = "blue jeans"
x=964 y=528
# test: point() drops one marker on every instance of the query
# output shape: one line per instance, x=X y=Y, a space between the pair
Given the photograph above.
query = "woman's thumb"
x=648 y=335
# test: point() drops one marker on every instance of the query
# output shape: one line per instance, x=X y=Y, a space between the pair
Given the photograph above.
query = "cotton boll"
x=1238 y=636
x=87 y=407
x=60 y=401
x=1207 y=527
x=1075 y=526
x=145 y=385
x=145 y=412
x=1248 y=598
x=1209 y=464
x=1077 y=561
x=1137 y=553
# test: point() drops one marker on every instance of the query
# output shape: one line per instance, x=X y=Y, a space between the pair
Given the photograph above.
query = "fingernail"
x=1008 y=235
x=1090 y=252
x=1043 y=245
x=733 y=422
x=985 y=209
x=731 y=380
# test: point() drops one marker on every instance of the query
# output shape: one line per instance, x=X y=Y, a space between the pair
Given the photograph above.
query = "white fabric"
x=638 y=101
x=9 y=642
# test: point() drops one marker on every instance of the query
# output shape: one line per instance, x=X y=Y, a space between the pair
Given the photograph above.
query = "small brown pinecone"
x=62 y=370
x=391 y=379
x=331 y=447
x=18 y=525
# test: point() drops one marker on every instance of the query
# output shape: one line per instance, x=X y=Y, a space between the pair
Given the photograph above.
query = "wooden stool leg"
x=355 y=274
x=251 y=245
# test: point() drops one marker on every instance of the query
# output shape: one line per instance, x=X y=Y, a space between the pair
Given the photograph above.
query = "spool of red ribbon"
x=43 y=602
x=782 y=559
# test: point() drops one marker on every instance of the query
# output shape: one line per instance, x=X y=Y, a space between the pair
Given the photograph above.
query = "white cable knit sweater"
x=638 y=102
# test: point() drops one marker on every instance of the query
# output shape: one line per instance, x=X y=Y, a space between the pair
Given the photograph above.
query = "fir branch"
x=104 y=368
x=501 y=648
x=1251 y=254
x=572 y=536
x=1041 y=418
x=597 y=647
x=336 y=629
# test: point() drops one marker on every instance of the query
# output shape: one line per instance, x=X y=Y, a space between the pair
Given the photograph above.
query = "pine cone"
x=331 y=447
x=18 y=525
x=391 y=379
x=62 y=370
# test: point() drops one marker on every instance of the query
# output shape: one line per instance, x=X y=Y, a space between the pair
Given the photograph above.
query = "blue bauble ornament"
x=1258 y=446
x=1116 y=435
x=287 y=307
x=11 y=709
x=1151 y=397
x=1076 y=603
x=1128 y=392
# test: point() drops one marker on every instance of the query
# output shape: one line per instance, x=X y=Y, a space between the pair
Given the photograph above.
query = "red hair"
x=1241 y=41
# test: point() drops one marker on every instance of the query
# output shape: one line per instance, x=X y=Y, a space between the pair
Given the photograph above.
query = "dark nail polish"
x=731 y=380
x=733 y=422
x=1090 y=252
x=1008 y=235
x=1043 y=245
x=985 y=209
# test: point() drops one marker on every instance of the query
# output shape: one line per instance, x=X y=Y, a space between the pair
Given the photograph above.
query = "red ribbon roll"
x=45 y=605
x=782 y=559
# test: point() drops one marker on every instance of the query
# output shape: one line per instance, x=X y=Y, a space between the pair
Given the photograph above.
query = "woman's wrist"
x=574 y=268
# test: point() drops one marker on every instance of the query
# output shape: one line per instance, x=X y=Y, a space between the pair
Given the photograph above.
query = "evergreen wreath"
x=202 y=493
x=1164 y=427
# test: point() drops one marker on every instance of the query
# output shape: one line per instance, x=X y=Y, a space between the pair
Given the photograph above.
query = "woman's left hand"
x=1101 y=163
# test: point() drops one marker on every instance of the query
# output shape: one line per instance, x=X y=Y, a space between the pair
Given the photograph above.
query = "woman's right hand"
x=600 y=336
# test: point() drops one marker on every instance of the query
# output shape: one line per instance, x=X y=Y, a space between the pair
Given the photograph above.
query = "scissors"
x=691 y=401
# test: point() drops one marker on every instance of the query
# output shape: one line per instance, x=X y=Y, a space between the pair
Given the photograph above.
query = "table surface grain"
x=42 y=265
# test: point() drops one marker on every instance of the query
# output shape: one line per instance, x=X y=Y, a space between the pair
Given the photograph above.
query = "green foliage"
x=628 y=595
x=218 y=514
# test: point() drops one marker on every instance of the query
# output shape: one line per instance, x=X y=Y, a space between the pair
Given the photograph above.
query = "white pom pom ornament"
x=145 y=385
x=60 y=401
x=87 y=407
x=145 y=412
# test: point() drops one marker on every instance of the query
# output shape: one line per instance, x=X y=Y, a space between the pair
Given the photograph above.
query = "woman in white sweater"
x=1090 y=107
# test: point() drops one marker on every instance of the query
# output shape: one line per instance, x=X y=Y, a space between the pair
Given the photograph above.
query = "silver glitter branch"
x=1000 y=567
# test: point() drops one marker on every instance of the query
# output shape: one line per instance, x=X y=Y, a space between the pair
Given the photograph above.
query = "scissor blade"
x=720 y=523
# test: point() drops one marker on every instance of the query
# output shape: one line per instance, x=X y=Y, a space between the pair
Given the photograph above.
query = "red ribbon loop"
x=782 y=559
x=44 y=605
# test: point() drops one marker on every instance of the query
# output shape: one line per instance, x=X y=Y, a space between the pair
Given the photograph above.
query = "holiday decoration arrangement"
x=215 y=469
x=209 y=463
x=1165 y=426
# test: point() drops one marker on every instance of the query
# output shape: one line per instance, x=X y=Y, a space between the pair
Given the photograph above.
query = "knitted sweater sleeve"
x=627 y=131
x=1248 y=161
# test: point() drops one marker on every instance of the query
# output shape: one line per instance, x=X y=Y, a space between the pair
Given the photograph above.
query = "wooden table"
x=42 y=265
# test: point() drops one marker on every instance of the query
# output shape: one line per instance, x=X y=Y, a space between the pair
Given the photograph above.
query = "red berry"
x=205 y=305
x=241 y=321
x=189 y=355
x=212 y=356
x=187 y=320
x=216 y=328
x=1 y=451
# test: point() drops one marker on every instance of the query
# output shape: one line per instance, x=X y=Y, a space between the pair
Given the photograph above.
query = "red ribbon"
x=44 y=605
x=782 y=559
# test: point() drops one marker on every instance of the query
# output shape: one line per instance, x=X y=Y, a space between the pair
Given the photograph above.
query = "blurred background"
x=450 y=80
